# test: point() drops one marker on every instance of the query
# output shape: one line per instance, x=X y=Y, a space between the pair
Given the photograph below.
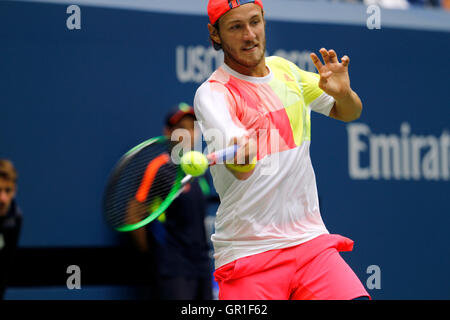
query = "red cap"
x=217 y=8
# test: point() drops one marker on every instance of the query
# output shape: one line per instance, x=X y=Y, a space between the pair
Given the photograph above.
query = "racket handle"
x=222 y=155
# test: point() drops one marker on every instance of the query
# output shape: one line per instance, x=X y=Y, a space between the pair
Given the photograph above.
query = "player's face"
x=243 y=39
x=7 y=194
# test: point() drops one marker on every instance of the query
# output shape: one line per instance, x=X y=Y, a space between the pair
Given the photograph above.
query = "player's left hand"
x=334 y=78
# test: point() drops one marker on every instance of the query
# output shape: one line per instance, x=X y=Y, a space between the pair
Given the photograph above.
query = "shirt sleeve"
x=216 y=115
x=314 y=97
x=323 y=104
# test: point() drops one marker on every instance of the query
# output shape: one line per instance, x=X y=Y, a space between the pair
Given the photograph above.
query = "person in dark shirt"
x=10 y=220
x=177 y=239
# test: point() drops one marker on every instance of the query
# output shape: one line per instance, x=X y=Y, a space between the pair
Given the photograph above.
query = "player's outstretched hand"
x=334 y=78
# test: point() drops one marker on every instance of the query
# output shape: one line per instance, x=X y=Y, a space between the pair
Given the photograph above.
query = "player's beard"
x=247 y=63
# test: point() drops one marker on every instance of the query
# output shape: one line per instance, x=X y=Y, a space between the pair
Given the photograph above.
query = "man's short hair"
x=7 y=170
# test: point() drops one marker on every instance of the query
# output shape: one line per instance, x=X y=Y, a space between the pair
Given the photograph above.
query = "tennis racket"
x=144 y=183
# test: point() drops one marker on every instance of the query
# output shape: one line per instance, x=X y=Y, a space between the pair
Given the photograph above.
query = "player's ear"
x=214 y=33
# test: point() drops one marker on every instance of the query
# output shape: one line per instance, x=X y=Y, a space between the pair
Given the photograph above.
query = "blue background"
x=73 y=101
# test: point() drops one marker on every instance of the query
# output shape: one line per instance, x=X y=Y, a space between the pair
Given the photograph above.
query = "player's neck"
x=259 y=70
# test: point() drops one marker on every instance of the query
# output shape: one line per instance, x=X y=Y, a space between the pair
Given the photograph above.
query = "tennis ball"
x=194 y=163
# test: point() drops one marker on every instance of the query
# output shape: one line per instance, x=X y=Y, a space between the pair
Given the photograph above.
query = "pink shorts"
x=311 y=270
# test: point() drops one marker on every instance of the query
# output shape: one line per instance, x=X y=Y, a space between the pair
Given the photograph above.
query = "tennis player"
x=270 y=241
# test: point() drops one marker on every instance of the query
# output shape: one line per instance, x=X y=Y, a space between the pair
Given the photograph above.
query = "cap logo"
x=237 y=3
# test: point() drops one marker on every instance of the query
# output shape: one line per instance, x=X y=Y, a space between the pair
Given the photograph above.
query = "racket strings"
x=135 y=210
x=121 y=205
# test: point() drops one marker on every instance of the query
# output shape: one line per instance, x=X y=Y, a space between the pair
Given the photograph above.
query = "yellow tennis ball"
x=194 y=163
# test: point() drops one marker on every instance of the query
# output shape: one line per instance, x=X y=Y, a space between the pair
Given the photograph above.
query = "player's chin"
x=251 y=61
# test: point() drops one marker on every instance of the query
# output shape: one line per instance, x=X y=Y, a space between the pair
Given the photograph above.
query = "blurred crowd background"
x=398 y=4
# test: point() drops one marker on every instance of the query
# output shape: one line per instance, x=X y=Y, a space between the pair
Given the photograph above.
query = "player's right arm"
x=217 y=115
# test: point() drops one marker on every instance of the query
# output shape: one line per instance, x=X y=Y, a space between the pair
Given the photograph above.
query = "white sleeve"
x=214 y=118
x=323 y=104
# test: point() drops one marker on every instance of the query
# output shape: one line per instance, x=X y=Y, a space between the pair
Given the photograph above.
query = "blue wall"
x=73 y=101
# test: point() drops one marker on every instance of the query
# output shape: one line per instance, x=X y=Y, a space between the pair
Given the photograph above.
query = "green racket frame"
x=173 y=193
